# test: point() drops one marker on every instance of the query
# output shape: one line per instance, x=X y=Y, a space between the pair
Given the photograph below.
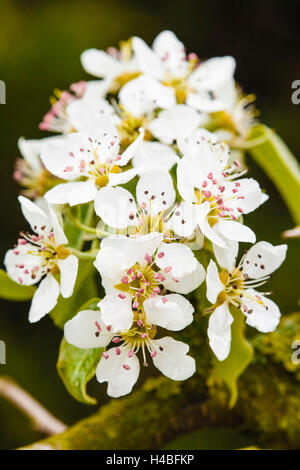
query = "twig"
x=41 y=419
x=292 y=233
x=84 y=254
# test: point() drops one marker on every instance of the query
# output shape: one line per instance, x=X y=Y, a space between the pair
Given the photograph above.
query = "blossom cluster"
x=155 y=147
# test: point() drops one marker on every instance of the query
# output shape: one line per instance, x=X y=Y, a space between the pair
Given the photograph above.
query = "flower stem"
x=85 y=228
x=79 y=224
x=84 y=254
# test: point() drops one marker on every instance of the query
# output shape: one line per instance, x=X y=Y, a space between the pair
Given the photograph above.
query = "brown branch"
x=42 y=420
x=268 y=405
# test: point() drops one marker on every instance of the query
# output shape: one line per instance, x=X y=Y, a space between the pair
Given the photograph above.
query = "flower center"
x=141 y=283
x=234 y=284
x=44 y=248
x=121 y=80
x=138 y=337
x=218 y=196
x=180 y=84
x=94 y=167
x=239 y=120
x=181 y=88
x=129 y=127
x=139 y=334
x=36 y=183
x=215 y=203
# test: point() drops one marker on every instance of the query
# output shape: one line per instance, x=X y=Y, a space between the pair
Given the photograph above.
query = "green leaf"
x=211 y=439
x=279 y=164
x=76 y=367
x=85 y=288
x=11 y=290
x=239 y=358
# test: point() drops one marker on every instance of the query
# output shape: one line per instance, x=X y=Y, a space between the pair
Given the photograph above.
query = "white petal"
x=59 y=194
x=35 y=216
x=148 y=61
x=155 y=191
x=91 y=106
x=215 y=85
x=173 y=312
x=175 y=123
x=68 y=272
x=95 y=90
x=116 y=207
x=105 y=141
x=87 y=330
x=206 y=101
x=176 y=259
x=122 y=178
x=59 y=235
x=226 y=257
x=213 y=282
x=236 y=231
x=252 y=195
x=262 y=313
x=146 y=244
x=20 y=261
x=210 y=232
x=144 y=94
x=185 y=179
x=120 y=371
x=190 y=145
x=44 y=299
x=62 y=153
x=132 y=149
x=99 y=63
x=206 y=159
x=118 y=254
x=183 y=222
x=188 y=283
x=82 y=192
x=263 y=259
x=213 y=73
x=115 y=256
x=72 y=193
x=30 y=150
x=116 y=312
x=154 y=156
x=219 y=331
x=172 y=359
x=172 y=52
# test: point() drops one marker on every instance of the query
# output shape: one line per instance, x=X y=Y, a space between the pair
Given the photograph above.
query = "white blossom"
x=145 y=94
x=30 y=172
x=208 y=86
x=213 y=199
x=42 y=258
x=115 y=67
x=136 y=274
x=93 y=156
x=91 y=106
x=155 y=196
x=236 y=286
x=119 y=365
x=176 y=123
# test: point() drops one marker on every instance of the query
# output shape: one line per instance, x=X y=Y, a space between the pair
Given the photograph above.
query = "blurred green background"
x=40 y=45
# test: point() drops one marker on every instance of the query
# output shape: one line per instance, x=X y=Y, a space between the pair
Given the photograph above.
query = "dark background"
x=40 y=45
